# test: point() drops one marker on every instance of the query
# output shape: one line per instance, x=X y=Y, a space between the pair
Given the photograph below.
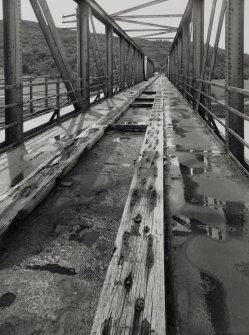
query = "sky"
x=64 y=7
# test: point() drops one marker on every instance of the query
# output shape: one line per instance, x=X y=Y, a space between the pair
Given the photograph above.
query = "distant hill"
x=37 y=59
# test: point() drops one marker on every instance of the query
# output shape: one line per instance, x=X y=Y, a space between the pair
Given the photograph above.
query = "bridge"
x=124 y=192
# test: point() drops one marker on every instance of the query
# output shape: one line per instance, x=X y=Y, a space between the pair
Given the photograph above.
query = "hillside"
x=37 y=59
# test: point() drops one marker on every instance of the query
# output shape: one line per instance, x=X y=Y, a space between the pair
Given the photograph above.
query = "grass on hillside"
x=37 y=59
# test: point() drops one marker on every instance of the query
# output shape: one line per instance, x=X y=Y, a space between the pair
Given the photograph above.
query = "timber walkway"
x=174 y=202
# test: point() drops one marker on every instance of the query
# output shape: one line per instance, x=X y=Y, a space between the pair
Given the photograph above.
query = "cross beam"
x=132 y=9
x=142 y=36
x=148 y=16
x=144 y=23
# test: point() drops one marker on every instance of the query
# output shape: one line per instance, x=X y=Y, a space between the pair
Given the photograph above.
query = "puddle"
x=211 y=249
x=7 y=300
x=214 y=292
x=90 y=237
x=206 y=215
x=192 y=160
x=53 y=268
x=218 y=187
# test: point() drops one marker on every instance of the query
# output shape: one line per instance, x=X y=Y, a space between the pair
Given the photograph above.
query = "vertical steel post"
x=130 y=66
x=198 y=42
x=185 y=54
x=109 y=59
x=83 y=24
x=235 y=74
x=13 y=70
x=46 y=91
x=58 y=97
x=168 y=66
x=78 y=43
x=135 y=66
x=146 y=68
x=179 y=52
x=122 y=62
x=31 y=106
x=139 y=66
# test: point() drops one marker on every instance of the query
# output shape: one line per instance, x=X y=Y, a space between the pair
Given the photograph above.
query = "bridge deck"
x=209 y=207
x=201 y=200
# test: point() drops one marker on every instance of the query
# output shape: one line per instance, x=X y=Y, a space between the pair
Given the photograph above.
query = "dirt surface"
x=53 y=265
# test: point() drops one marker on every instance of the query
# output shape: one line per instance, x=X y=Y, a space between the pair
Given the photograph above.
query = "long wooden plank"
x=132 y=300
x=16 y=204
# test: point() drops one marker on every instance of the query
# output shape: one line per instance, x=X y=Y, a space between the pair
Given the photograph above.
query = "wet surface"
x=209 y=202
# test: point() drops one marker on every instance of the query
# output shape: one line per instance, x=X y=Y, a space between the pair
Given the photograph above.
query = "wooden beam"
x=13 y=70
x=51 y=35
x=132 y=9
x=132 y=300
x=144 y=23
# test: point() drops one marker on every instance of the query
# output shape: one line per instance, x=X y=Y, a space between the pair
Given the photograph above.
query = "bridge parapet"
x=192 y=72
x=121 y=66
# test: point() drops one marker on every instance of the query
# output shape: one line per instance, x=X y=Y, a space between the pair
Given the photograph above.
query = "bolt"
x=146 y=229
x=138 y=218
x=139 y=304
x=128 y=282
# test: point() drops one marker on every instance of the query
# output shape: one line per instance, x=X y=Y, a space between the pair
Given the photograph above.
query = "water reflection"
x=210 y=205
x=206 y=225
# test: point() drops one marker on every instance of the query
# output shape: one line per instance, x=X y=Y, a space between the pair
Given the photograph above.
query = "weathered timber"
x=16 y=204
x=132 y=300
x=129 y=127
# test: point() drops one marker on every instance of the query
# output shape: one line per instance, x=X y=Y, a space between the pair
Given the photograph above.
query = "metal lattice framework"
x=113 y=74
x=191 y=69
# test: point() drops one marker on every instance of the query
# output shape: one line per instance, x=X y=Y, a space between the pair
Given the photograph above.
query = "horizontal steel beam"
x=103 y=17
x=143 y=23
x=148 y=16
x=130 y=30
x=74 y=21
x=132 y=9
x=142 y=36
x=158 y=38
x=70 y=15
